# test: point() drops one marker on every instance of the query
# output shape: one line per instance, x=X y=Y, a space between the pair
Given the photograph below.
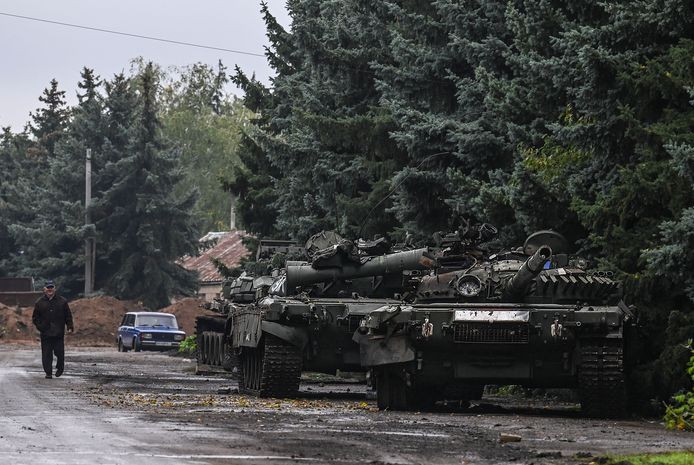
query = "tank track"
x=274 y=366
x=602 y=387
x=209 y=333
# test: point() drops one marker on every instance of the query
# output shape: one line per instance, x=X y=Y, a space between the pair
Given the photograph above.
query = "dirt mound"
x=96 y=320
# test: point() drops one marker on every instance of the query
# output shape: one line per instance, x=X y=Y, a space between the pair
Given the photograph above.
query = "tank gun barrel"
x=516 y=286
x=305 y=274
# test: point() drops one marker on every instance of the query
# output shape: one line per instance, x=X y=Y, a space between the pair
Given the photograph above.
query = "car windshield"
x=157 y=320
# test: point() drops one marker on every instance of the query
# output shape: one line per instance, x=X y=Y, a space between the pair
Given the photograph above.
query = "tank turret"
x=517 y=285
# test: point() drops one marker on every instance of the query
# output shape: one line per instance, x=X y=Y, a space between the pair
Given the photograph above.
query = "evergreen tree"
x=49 y=123
x=52 y=240
x=323 y=131
x=31 y=234
x=12 y=187
x=253 y=181
x=146 y=228
x=120 y=109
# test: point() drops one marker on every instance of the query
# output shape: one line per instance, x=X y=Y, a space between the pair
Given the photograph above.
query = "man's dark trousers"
x=53 y=345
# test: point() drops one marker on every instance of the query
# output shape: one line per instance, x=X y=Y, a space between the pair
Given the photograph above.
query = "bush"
x=189 y=345
x=680 y=413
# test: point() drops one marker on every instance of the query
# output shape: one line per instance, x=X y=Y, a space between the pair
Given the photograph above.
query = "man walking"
x=51 y=315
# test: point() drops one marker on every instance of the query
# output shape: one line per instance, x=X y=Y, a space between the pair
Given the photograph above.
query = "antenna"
x=363 y=220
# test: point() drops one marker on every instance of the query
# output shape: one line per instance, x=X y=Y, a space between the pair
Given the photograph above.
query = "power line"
x=109 y=31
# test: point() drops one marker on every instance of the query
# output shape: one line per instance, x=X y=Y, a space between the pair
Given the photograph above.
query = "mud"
x=204 y=417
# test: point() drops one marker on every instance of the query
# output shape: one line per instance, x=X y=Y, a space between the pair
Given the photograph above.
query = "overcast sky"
x=32 y=52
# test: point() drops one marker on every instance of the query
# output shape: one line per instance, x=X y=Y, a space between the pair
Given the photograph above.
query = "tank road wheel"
x=220 y=349
x=198 y=346
x=207 y=329
x=203 y=348
x=272 y=369
x=216 y=349
x=230 y=361
x=210 y=348
x=601 y=381
x=392 y=392
x=210 y=345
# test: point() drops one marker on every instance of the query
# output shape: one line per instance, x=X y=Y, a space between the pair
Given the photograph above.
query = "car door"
x=127 y=329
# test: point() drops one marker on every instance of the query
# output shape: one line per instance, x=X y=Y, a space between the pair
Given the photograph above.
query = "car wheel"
x=120 y=345
x=136 y=346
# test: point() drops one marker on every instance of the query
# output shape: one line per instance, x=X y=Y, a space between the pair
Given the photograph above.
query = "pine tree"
x=31 y=233
x=322 y=130
x=52 y=239
x=253 y=181
x=49 y=123
x=12 y=185
x=145 y=227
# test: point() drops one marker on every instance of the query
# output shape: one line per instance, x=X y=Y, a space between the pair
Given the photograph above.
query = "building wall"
x=210 y=291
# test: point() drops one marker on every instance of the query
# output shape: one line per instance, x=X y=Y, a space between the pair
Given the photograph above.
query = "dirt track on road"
x=152 y=408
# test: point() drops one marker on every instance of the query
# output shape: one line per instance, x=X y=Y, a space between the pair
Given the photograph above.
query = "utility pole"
x=90 y=242
x=232 y=213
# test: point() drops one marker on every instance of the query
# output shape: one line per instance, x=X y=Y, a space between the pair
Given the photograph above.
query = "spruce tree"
x=52 y=240
x=146 y=228
x=12 y=184
x=253 y=181
x=32 y=235
x=322 y=130
x=49 y=122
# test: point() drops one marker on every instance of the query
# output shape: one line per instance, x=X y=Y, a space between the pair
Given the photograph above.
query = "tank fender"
x=373 y=353
x=295 y=336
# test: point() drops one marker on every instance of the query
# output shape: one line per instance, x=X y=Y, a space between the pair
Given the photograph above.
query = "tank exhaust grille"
x=479 y=332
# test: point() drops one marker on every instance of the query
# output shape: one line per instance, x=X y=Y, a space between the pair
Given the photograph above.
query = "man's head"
x=49 y=288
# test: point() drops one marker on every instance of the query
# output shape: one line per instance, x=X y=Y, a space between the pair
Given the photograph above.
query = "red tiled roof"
x=229 y=250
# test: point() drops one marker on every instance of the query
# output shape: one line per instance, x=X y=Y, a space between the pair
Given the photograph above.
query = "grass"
x=667 y=458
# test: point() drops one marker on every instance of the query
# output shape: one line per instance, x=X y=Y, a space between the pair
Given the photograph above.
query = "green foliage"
x=153 y=148
x=510 y=390
x=679 y=414
x=189 y=345
x=49 y=122
x=552 y=162
x=146 y=227
x=321 y=140
x=663 y=458
x=571 y=116
x=205 y=124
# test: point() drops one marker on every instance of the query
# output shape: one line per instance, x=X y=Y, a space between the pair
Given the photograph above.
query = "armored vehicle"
x=210 y=328
x=304 y=315
x=534 y=316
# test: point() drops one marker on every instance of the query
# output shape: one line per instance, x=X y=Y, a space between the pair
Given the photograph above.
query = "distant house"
x=227 y=248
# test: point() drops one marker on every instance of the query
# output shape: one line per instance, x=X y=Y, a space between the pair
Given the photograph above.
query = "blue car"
x=148 y=331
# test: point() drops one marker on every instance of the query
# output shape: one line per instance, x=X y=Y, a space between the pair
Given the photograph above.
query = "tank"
x=303 y=315
x=533 y=316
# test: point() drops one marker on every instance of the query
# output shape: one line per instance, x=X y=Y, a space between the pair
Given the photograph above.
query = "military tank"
x=303 y=316
x=533 y=316
x=212 y=328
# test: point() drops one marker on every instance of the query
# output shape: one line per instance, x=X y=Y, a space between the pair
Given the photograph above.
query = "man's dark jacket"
x=51 y=316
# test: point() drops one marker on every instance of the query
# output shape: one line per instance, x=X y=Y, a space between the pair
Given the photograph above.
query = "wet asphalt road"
x=150 y=408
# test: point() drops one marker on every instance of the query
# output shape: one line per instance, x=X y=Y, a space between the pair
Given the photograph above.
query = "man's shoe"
x=49 y=376
x=58 y=373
